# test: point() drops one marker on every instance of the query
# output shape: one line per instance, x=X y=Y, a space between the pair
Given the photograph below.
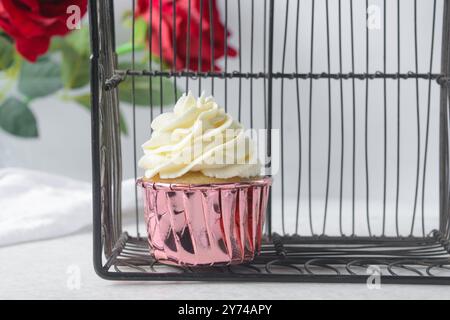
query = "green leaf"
x=142 y=89
x=17 y=119
x=128 y=48
x=79 y=40
x=6 y=53
x=56 y=44
x=39 y=79
x=140 y=27
x=74 y=68
x=140 y=32
x=123 y=124
x=75 y=52
x=85 y=101
x=140 y=35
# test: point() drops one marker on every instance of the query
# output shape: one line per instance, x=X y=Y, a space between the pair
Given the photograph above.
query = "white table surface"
x=40 y=270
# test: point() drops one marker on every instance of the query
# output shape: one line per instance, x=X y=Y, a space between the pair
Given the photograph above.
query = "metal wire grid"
x=297 y=259
x=121 y=250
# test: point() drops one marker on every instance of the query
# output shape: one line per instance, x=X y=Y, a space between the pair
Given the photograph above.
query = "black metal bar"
x=211 y=41
x=341 y=87
x=240 y=61
x=443 y=125
x=353 y=119
x=116 y=164
x=188 y=44
x=311 y=65
x=397 y=192
x=95 y=133
x=113 y=26
x=299 y=178
x=200 y=47
x=307 y=278
x=226 y=53
x=424 y=172
x=366 y=125
x=269 y=108
x=150 y=63
x=174 y=43
x=133 y=102
x=327 y=189
x=161 y=92
x=283 y=62
x=264 y=60
x=252 y=27
x=441 y=79
x=385 y=118
x=416 y=57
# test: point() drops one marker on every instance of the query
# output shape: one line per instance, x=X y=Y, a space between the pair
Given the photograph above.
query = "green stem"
x=13 y=72
x=11 y=75
x=6 y=88
x=65 y=96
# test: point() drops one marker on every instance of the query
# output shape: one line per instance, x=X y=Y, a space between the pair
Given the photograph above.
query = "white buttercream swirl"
x=198 y=136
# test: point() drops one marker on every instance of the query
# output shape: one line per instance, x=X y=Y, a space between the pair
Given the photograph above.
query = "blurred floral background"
x=45 y=101
x=40 y=56
x=44 y=72
x=44 y=51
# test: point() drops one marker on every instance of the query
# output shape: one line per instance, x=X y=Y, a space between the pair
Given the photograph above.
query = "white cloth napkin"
x=36 y=205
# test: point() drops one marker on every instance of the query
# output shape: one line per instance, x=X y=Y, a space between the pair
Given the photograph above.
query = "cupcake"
x=204 y=198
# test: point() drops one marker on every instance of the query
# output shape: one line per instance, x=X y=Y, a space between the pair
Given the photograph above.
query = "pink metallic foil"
x=205 y=225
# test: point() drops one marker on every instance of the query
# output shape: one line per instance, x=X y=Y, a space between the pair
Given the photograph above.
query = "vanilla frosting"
x=198 y=136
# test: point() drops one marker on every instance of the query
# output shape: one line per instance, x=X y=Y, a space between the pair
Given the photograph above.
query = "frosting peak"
x=198 y=136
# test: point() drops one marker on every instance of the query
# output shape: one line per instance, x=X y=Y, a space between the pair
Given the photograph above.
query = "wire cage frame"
x=300 y=244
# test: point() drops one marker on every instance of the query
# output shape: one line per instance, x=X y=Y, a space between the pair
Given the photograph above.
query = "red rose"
x=181 y=28
x=32 y=23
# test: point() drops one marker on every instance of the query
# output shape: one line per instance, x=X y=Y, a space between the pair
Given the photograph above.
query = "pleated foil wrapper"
x=205 y=225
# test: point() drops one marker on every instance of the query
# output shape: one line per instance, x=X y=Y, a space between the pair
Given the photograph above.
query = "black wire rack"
x=362 y=109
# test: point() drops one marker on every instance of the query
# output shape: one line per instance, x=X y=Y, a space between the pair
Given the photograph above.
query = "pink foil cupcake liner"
x=204 y=225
